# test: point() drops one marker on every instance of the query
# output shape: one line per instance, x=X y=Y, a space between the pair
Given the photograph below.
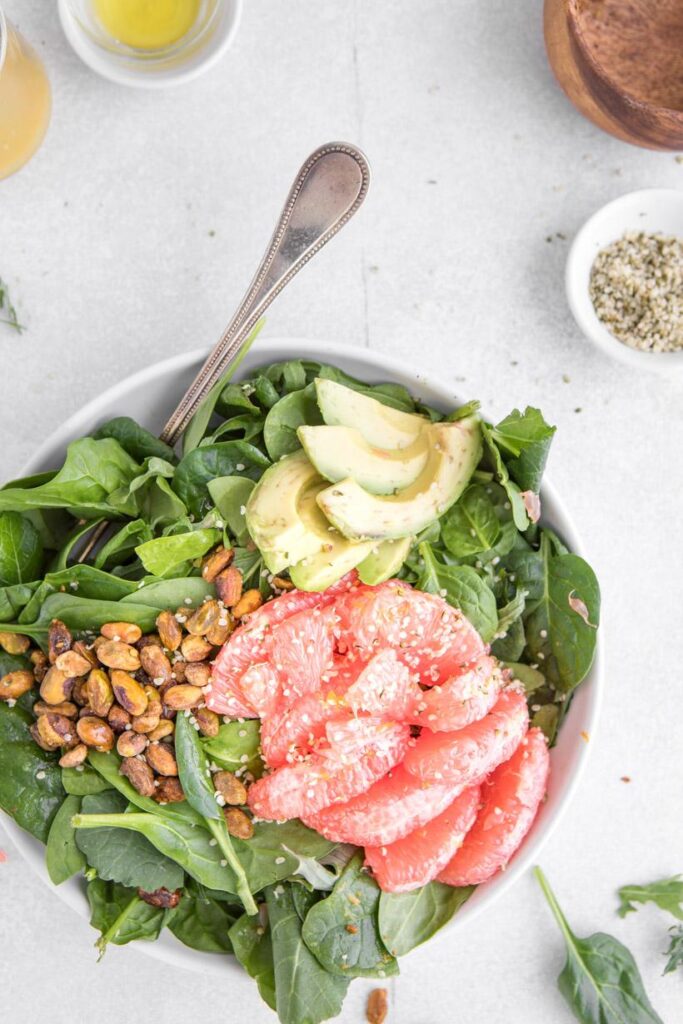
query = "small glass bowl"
x=210 y=36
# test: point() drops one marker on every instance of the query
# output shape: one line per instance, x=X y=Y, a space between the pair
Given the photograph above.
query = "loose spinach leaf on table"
x=342 y=930
x=134 y=439
x=675 y=950
x=305 y=993
x=285 y=417
x=164 y=554
x=21 y=550
x=201 y=465
x=118 y=855
x=667 y=894
x=31 y=788
x=62 y=856
x=251 y=944
x=600 y=980
x=202 y=922
x=121 y=916
x=463 y=588
x=406 y=920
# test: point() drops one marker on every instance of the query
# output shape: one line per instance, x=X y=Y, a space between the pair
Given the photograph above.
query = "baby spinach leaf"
x=121 y=546
x=675 y=950
x=81 y=614
x=527 y=437
x=471 y=525
x=118 y=856
x=14 y=598
x=236 y=397
x=237 y=428
x=237 y=746
x=121 y=916
x=285 y=417
x=600 y=980
x=165 y=594
x=251 y=944
x=530 y=678
x=305 y=993
x=201 y=465
x=203 y=923
x=82 y=580
x=107 y=767
x=287 y=376
x=83 y=781
x=667 y=894
x=547 y=719
x=91 y=471
x=231 y=494
x=134 y=439
x=163 y=554
x=21 y=549
x=512 y=490
x=342 y=932
x=62 y=856
x=408 y=919
x=276 y=849
x=511 y=645
x=463 y=588
x=149 y=496
x=30 y=779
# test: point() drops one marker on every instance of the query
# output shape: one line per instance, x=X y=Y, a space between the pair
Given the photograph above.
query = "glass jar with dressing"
x=25 y=100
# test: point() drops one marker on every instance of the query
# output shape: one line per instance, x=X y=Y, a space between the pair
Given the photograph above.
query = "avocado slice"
x=272 y=514
x=380 y=425
x=341 y=452
x=455 y=451
x=336 y=555
x=384 y=561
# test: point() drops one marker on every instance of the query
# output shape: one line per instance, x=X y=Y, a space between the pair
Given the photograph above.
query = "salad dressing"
x=25 y=103
x=147 y=24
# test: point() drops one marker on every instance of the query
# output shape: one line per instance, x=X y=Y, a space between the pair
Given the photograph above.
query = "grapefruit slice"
x=260 y=689
x=467 y=756
x=417 y=859
x=291 y=733
x=393 y=807
x=385 y=687
x=302 y=651
x=461 y=700
x=511 y=798
x=355 y=758
x=429 y=636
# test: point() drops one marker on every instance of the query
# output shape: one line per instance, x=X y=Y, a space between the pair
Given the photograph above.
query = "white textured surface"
x=477 y=158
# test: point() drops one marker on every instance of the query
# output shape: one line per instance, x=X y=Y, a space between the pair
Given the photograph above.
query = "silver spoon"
x=327 y=191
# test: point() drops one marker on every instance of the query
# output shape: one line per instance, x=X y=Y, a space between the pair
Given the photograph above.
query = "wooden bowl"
x=620 y=62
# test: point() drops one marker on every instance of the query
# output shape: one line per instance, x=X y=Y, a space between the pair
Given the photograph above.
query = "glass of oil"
x=25 y=100
x=150 y=42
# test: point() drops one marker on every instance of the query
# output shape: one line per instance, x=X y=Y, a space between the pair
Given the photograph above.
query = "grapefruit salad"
x=301 y=699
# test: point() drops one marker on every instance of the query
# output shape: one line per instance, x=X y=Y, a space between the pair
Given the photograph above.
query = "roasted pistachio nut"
x=131 y=743
x=72 y=758
x=280 y=583
x=219 y=633
x=59 y=639
x=56 y=687
x=168 y=791
x=71 y=663
x=86 y=652
x=377 y=1006
x=162 y=898
x=14 y=643
x=229 y=586
x=179 y=669
x=117 y=654
x=169 y=629
x=238 y=823
x=66 y=708
x=56 y=729
x=163 y=729
x=231 y=789
x=162 y=759
x=204 y=619
x=40 y=665
x=215 y=562
x=139 y=774
x=79 y=694
x=15 y=684
x=156 y=664
x=147 y=722
x=95 y=732
x=126 y=631
x=208 y=721
x=99 y=692
x=128 y=692
x=195 y=648
x=149 y=638
x=248 y=603
x=198 y=673
x=119 y=719
x=37 y=738
x=182 y=697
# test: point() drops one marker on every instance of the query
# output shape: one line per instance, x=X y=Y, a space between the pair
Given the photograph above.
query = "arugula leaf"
x=675 y=950
x=21 y=549
x=667 y=894
x=463 y=588
x=30 y=779
x=201 y=465
x=471 y=525
x=162 y=555
x=134 y=439
x=253 y=948
x=121 y=916
x=342 y=932
x=305 y=993
x=600 y=980
x=527 y=437
x=285 y=417
x=62 y=856
x=408 y=919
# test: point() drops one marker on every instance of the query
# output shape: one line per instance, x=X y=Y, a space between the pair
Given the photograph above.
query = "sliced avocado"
x=380 y=425
x=336 y=555
x=384 y=561
x=341 y=452
x=273 y=517
x=455 y=451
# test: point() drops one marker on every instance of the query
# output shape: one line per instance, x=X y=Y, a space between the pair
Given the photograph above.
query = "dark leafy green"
x=134 y=439
x=527 y=437
x=30 y=779
x=406 y=920
x=231 y=494
x=235 y=742
x=463 y=588
x=675 y=950
x=83 y=781
x=667 y=894
x=121 y=916
x=285 y=417
x=62 y=856
x=251 y=944
x=201 y=465
x=202 y=922
x=162 y=555
x=471 y=525
x=21 y=549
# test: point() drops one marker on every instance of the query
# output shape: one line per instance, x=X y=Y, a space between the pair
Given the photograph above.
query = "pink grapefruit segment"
x=468 y=755
x=461 y=700
x=511 y=798
x=389 y=810
x=385 y=687
x=289 y=734
x=417 y=859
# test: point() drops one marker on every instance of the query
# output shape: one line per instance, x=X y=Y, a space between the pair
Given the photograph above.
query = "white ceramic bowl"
x=150 y=396
x=657 y=210
x=119 y=63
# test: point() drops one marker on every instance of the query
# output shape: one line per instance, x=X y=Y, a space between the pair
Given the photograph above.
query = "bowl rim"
x=577 y=271
x=378 y=363
x=122 y=75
